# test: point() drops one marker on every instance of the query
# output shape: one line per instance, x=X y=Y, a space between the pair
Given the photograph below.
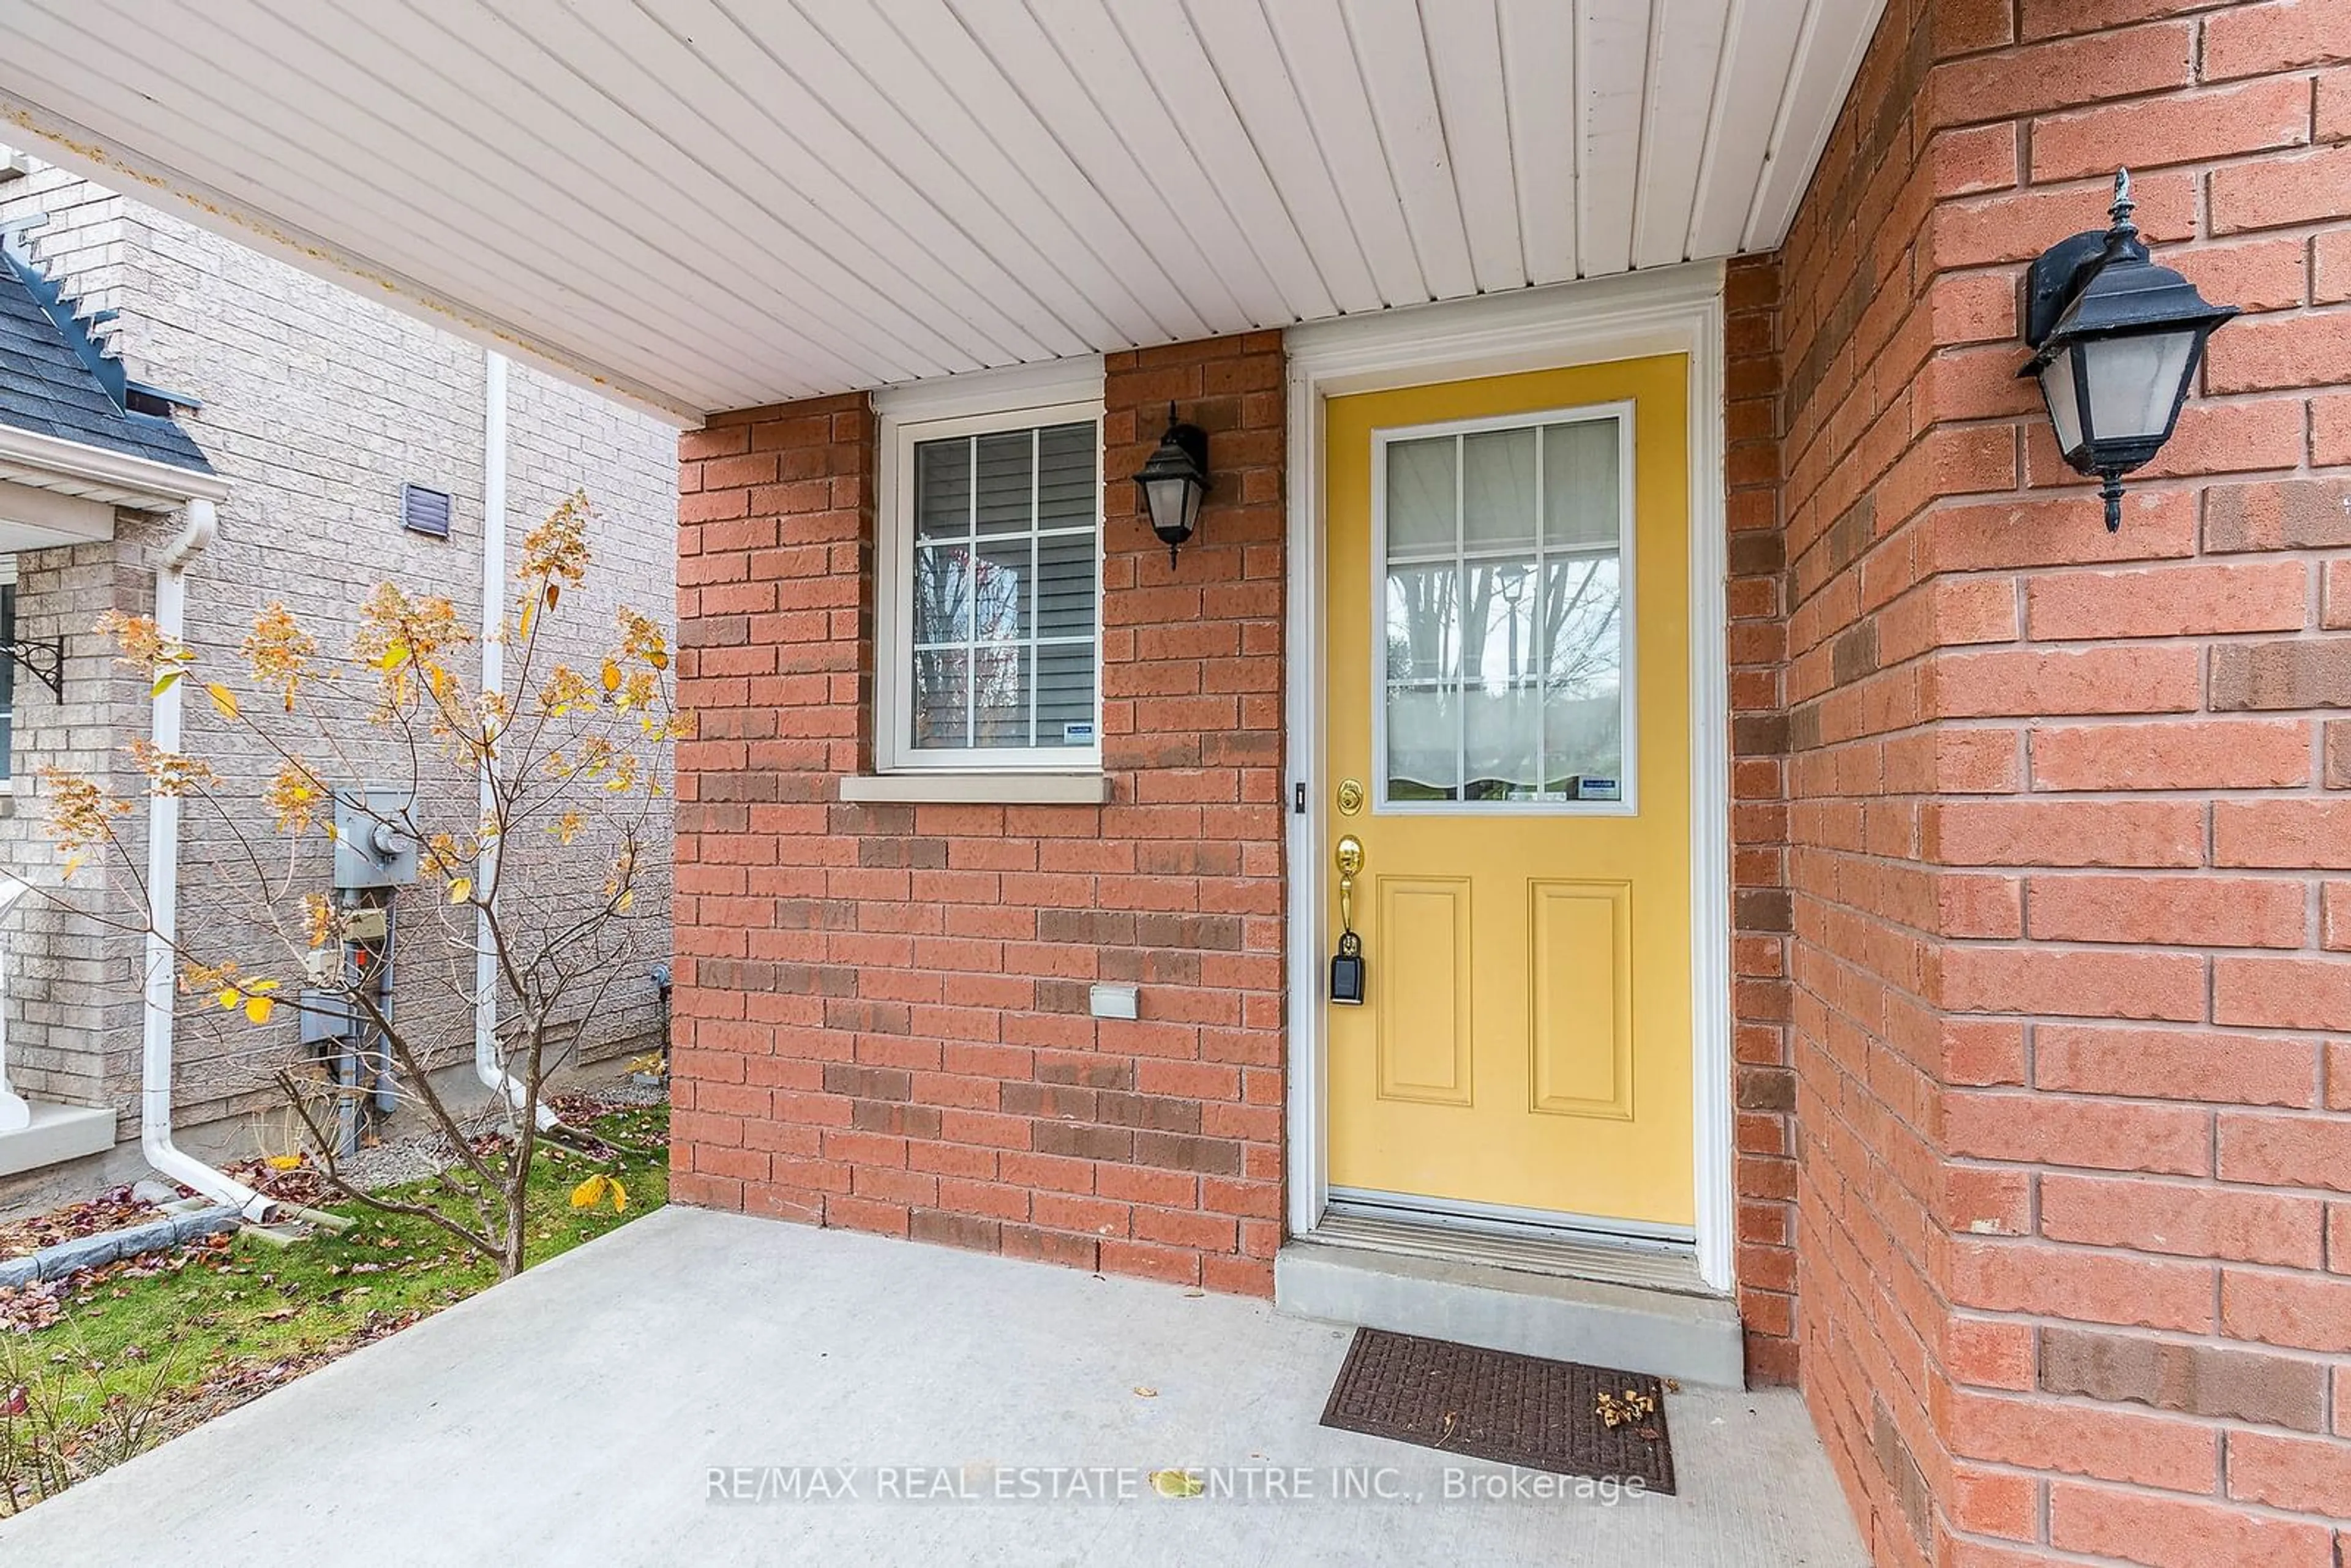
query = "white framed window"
x=1503 y=583
x=988 y=635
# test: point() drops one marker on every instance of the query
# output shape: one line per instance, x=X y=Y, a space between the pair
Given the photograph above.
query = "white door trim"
x=1668 y=310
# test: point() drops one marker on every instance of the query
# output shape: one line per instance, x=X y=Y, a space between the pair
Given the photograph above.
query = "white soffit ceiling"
x=714 y=204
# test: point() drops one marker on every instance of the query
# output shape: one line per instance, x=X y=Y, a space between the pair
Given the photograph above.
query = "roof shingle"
x=45 y=388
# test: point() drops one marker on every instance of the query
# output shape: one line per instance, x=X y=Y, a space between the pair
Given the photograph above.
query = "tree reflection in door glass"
x=1503 y=635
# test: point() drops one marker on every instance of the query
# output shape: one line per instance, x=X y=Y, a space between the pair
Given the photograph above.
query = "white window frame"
x=1628 y=803
x=1066 y=393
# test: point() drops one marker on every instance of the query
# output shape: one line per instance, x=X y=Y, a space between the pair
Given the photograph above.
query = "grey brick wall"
x=317 y=405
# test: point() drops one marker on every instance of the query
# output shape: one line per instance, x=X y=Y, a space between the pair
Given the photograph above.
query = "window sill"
x=978 y=789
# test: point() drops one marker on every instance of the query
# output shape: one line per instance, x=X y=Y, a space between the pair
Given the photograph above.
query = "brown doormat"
x=1497 y=1405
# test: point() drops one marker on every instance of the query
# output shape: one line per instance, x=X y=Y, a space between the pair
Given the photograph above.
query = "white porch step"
x=1668 y=1334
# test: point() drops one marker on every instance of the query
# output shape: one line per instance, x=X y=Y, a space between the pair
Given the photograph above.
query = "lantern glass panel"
x=2058 y=390
x=1175 y=503
x=2134 y=382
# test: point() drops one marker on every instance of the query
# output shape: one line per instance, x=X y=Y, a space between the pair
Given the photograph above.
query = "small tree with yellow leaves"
x=531 y=817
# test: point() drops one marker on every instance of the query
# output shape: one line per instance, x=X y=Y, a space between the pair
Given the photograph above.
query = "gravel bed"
x=629 y=1091
x=419 y=1155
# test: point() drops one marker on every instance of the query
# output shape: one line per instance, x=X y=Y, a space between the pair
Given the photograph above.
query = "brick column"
x=1762 y=917
x=775 y=544
x=2074 y=1151
x=882 y=1009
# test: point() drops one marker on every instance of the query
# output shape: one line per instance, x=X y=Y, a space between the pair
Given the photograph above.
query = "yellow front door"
x=1507 y=606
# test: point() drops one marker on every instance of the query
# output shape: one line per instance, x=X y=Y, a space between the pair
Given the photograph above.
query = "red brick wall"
x=2075 y=1166
x=1760 y=916
x=1851 y=328
x=882 y=1009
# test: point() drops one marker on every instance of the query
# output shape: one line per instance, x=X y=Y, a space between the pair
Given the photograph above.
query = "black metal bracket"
x=44 y=660
x=2054 y=278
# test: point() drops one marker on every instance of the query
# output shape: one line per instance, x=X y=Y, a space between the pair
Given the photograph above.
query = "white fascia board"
x=162 y=483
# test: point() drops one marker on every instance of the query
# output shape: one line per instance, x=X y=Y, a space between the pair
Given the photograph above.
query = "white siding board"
x=1682 y=82
x=1050 y=90
x=226 y=138
x=1254 y=79
x=1465 y=56
x=515 y=151
x=1757 y=53
x=1026 y=149
x=1390 y=52
x=417 y=141
x=1320 y=56
x=1172 y=55
x=1837 y=35
x=746 y=235
x=1122 y=93
x=1539 y=61
x=737 y=132
x=1613 y=42
x=1035 y=247
x=532 y=139
x=720 y=202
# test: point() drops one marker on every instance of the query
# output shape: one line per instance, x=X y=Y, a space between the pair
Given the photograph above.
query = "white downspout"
x=163 y=899
x=15 y=1114
x=486 y=1063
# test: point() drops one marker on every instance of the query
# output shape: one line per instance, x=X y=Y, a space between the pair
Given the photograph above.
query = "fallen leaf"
x=1146 y=1391
x=1177 y=1483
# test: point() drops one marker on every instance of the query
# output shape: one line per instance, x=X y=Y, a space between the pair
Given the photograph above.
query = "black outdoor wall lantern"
x=2115 y=341
x=1173 y=482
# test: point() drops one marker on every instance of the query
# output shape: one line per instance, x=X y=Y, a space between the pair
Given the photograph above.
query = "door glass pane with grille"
x=1502 y=614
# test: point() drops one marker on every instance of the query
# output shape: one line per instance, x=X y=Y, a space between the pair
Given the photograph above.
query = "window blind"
x=1006 y=588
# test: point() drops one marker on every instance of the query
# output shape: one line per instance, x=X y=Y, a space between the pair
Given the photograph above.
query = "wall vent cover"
x=423 y=511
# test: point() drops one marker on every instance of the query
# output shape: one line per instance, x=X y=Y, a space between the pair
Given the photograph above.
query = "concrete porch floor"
x=578 y=1414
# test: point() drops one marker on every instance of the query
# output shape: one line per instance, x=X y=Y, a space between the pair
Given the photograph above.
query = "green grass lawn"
x=149 y=1348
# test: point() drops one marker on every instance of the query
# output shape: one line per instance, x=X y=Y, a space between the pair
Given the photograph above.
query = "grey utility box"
x=374 y=846
x=327 y=1016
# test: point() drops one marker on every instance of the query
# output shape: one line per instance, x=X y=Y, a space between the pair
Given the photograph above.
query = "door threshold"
x=1563 y=1253
x=1444 y=1284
